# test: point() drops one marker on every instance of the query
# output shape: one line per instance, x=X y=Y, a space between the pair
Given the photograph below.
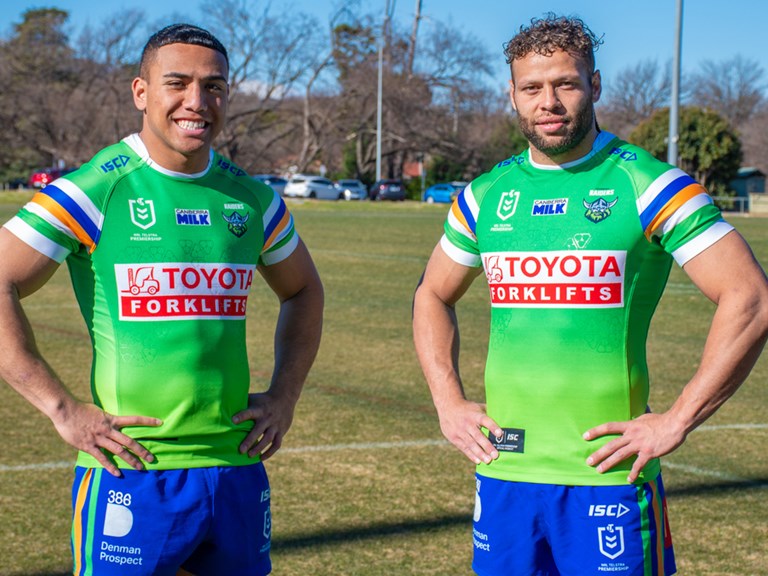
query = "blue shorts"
x=209 y=521
x=523 y=529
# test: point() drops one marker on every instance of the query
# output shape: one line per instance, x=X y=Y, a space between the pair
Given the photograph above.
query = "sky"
x=634 y=31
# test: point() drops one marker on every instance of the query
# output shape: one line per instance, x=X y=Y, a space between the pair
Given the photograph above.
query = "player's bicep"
x=290 y=276
x=22 y=267
x=727 y=265
x=446 y=279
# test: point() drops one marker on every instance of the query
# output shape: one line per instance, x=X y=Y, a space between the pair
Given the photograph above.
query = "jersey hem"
x=617 y=478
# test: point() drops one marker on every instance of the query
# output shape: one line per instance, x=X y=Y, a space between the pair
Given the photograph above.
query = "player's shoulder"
x=639 y=164
x=98 y=176
x=501 y=174
x=232 y=175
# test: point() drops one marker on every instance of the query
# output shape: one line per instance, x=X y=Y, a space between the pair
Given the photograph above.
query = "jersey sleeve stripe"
x=279 y=230
x=276 y=205
x=701 y=242
x=673 y=205
x=36 y=240
x=657 y=196
x=38 y=210
x=463 y=214
x=73 y=201
x=82 y=200
x=695 y=203
x=458 y=255
x=281 y=253
x=273 y=218
x=653 y=190
x=50 y=203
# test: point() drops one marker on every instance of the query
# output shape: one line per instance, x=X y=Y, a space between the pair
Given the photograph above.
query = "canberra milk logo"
x=507 y=204
x=193 y=217
x=611 y=540
x=118 y=519
x=142 y=212
x=549 y=207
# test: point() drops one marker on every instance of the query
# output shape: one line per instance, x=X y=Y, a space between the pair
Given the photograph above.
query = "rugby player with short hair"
x=576 y=237
x=163 y=238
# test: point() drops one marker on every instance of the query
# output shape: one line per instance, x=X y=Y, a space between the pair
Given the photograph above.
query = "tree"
x=269 y=55
x=755 y=140
x=709 y=149
x=637 y=92
x=732 y=88
x=38 y=73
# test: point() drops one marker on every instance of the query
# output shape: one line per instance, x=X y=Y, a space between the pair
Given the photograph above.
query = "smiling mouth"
x=191 y=124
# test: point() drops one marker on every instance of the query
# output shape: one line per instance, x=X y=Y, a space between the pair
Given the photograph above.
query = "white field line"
x=416 y=444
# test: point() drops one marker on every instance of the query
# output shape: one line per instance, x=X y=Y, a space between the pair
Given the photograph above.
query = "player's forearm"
x=734 y=343
x=297 y=339
x=436 y=338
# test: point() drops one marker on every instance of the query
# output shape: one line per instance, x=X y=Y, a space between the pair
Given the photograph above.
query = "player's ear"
x=597 y=86
x=139 y=89
x=512 y=94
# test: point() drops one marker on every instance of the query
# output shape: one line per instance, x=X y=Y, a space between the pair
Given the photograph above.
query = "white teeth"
x=190 y=125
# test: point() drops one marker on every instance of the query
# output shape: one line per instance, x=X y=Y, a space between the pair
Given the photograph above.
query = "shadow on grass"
x=382 y=530
x=373 y=531
x=717 y=489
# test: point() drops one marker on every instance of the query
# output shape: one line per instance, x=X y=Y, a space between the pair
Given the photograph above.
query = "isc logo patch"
x=549 y=207
x=613 y=510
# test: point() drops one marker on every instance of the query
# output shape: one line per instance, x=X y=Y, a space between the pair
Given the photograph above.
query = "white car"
x=308 y=186
x=351 y=189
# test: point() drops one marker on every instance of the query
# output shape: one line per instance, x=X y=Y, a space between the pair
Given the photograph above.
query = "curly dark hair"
x=545 y=35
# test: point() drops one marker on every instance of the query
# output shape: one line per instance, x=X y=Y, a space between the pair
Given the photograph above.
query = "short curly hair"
x=553 y=32
x=178 y=34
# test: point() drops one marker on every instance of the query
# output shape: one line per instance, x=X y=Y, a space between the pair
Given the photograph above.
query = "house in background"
x=749 y=185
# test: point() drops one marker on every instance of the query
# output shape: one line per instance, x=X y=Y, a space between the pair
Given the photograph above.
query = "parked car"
x=389 y=189
x=442 y=192
x=275 y=182
x=16 y=183
x=351 y=189
x=41 y=178
x=307 y=186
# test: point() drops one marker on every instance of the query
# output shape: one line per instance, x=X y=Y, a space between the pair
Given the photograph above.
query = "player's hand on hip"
x=93 y=431
x=272 y=417
x=461 y=424
x=647 y=437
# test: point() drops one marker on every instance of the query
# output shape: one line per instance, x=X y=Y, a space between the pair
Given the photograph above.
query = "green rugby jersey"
x=576 y=258
x=161 y=264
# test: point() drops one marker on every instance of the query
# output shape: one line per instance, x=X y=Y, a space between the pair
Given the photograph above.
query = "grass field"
x=365 y=485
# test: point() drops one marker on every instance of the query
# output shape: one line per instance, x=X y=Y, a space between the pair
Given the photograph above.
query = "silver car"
x=308 y=186
x=275 y=182
x=351 y=189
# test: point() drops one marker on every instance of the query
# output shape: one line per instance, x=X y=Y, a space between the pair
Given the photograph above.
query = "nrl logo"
x=598 y=210
x=611 y=541
x=507 y=204
x=236 y=223
x=142 y=212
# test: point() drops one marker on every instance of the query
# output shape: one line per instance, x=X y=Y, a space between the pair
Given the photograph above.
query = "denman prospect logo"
x=142 y=212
